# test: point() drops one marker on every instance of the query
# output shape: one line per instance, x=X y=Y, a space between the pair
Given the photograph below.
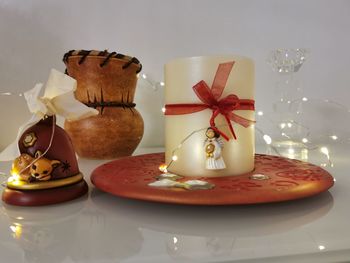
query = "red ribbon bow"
x=210 y=99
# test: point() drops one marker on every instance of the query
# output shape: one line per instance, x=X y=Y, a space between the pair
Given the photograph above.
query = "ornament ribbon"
x=58 y=99
x=211 y=100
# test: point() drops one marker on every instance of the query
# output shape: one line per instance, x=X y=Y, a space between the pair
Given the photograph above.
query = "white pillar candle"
x=180 y=76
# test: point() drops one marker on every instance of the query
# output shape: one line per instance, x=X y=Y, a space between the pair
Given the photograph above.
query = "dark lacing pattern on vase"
x=108 y=56
x=107 y=59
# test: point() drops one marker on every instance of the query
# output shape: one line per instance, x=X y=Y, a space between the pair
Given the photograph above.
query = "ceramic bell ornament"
x=45 y=169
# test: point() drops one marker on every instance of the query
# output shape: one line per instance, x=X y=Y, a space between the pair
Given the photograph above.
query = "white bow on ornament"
x=58 y=99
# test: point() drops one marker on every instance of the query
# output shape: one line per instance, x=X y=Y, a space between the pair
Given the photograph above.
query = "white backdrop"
x=35 y=34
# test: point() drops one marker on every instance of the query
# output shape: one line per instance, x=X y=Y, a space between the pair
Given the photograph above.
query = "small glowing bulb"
x=14 y=176
x=162 y=83
x=291 y=151
x=144 y=76
x=324 y=150
x=260 y=113
x=175 y=240
x=283 y=134
x=334 y=137
x=174 y=158
x=267 y=139
x=19 y=218
x=305 y=99
x=321 y=247
x=163 y=168
x=289 y=124
x=163 y=109
x=282 y=125
x=289 y=102
x=304 y=140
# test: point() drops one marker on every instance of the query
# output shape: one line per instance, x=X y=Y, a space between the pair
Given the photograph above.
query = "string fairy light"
x=304 y=140
x=14 y=177
x=266 y=138
x=283 y=126
x=291 y=151
x=321 y=247
x=147 y=80
x=287 y=125
x=174 y=157
x=325 y=151
x=4 y=175
x=10 y=94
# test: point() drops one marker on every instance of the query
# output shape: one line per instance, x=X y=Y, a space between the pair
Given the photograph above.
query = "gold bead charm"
x=213 y=148
x=210 y=148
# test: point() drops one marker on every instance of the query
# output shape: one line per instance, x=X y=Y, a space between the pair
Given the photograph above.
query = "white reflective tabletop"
x=104 y=228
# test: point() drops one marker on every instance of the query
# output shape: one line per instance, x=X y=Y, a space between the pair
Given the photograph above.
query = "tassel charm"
x=213 y=149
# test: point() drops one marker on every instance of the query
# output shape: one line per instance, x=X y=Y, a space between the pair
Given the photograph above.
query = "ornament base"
x=274 y=179
x=46 y=196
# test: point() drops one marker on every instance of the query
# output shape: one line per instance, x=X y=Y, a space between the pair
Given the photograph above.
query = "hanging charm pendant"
x=213 y=146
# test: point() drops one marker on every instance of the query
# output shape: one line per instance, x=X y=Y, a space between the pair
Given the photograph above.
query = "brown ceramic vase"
x=107 y=82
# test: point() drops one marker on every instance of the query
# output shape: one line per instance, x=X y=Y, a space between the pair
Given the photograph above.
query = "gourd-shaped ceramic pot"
x=107 y=82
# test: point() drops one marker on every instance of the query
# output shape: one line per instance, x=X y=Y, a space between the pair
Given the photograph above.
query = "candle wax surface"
x=180 y=76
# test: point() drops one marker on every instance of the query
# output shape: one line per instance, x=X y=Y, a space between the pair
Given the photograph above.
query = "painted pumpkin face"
x=41 y=169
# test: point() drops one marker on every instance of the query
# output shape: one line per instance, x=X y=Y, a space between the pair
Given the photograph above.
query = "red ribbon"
x=210 y=98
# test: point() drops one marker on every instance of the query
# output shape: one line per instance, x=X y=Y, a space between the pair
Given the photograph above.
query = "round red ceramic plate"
x=288 y=180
